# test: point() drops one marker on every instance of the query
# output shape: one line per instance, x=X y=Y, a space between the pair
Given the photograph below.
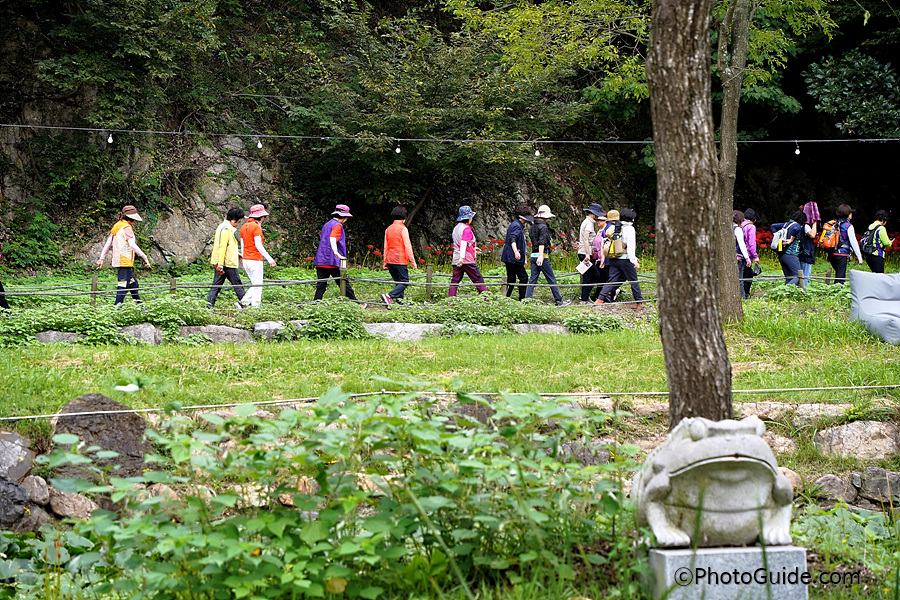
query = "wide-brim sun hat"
x=131 y=212
x=595 y=209
x=341 y=210
x=528 y=218
x=544 y=212
x=612 y=215
x=465 y=213
x=257 y=211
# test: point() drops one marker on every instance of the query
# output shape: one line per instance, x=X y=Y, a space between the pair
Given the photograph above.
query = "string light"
x=796 y=147
x=536 y=151
x=109 y=139
x=397 y=149
x=259 y=143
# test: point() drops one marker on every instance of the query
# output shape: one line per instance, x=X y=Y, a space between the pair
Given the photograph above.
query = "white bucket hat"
x=544 y=212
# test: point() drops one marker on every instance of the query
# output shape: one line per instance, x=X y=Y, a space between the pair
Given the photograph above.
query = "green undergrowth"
x=390 y=497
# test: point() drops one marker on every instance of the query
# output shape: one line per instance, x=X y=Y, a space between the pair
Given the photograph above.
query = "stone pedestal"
x=729 y=573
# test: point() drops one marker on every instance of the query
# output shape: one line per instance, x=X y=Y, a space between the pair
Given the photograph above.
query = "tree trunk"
x=734 y=44
x=696 y=358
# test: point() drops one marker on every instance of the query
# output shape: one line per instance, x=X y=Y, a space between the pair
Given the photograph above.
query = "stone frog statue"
x=714 y=484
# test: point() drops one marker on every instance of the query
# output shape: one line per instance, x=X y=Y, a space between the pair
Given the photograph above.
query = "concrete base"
x=729 y=573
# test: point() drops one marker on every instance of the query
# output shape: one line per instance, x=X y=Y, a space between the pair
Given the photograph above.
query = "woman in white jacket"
x=622 y=267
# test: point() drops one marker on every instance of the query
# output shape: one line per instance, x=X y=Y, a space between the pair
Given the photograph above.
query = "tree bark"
x=697 y=367
x=734 y=45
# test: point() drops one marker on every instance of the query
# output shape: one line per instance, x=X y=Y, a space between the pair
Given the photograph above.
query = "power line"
x=269 y=136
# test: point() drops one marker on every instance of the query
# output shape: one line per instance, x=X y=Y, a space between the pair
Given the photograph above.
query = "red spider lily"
x=562 y=234
x=428 y=248
x=653 y=235
x=309 y=258
x=450 y=252
x=421 y=260
x=377 y=253
x=371 y=246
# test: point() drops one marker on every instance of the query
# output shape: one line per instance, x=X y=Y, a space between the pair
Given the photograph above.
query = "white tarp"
x=875 y=300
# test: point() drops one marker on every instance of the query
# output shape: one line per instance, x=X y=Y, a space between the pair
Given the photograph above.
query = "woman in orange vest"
x=254 y=254
x=124 y=247
x=398 y=254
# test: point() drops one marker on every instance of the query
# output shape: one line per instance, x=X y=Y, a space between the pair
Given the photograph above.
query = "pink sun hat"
x=257 y=211
x=342 y=210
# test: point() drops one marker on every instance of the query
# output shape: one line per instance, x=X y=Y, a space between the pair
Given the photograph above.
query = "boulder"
x=866 y=440
x=651 y=410
x=880 y=486
x=161 y=489
x=832 y=487
x=145 y=332
x=33 y=518
x=298 y=323
x=15 y=456
x=403 y=332
x=587 y=454
x=58 y=337
x=217 y=333
x=267 y=329
x=13 y=499
x=38 y=490
x=71 y=506
x=550 y=328
x=779 y=443
x=121 y=432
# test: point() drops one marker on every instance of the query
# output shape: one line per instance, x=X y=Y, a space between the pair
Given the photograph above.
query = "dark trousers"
x=126 y=282
x=602 y=279
x=790 y=266
x=514 y=272
x=620 y=271
x=590 y=279
x=233 y=277
x=547 y=269
x=839 y=264
x=747 y=273
x=3 y=302
x=324 y=273
x=474 y=274
x=875 y=262
x=398 y=273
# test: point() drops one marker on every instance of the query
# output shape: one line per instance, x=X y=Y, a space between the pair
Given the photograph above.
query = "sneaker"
x=599 y=301
x=563 y=303
x=387 y=299
x=584 y=303
x=239 y=306
x=637 y=306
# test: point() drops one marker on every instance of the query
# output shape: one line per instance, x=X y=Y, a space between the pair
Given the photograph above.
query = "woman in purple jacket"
x=332 y=250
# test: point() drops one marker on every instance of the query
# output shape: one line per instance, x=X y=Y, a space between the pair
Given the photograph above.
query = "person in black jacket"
x=515 y=251
x=540 y=255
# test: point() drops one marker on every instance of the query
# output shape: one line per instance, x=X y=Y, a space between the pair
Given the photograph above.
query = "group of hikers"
x=606 y=251
x=795 y=241
x=608 y=257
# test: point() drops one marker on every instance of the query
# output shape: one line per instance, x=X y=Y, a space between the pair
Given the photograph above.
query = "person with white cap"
x=124 y=246
x=253 y=254
x=540 y=255
x=224 y=259
x=332 y=250
x=586 y=234
x=464 y=247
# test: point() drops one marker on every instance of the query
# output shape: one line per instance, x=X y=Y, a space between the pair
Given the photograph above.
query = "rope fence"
x=484 y=395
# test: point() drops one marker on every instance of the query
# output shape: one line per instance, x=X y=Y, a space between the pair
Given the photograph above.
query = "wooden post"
x=802 y=277
x=429 y=275
x=343 y=280
x=172 y=285
x=94 y=287
x=828 y=274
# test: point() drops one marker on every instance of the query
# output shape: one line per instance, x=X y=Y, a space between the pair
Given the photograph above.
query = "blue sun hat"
x=595 y=209
x=465 y=212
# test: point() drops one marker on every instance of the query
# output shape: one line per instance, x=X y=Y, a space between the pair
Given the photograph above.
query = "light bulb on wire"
x=259 y=143
x=109 y=140
x=537 y=152
x=397 y=149
x=796 y=147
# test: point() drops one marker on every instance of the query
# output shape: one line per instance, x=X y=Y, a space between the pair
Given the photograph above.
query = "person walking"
x=789 y=253
x=515 y=250
x=880 y=241
x=623 y=262
x=124 y=246
x=464 y=247
x=586 y=234
x=846 y=244
x=332 y=250
x=253 y=254
x=540 y=255
x=748 y=228
x=743 y=253
x=398 y=253
x=224 y=259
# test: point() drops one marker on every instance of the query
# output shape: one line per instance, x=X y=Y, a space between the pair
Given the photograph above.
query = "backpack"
x=831 y=235
x=781 y=236
x=614 y=244
x=867 y=243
